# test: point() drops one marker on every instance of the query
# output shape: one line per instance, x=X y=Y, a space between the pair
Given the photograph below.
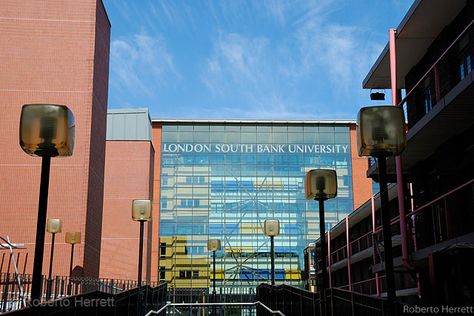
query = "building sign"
x=255 y=148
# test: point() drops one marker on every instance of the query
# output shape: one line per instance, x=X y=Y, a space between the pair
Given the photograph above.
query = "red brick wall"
x=48 y=55
x=361 y=185
x=128 y=171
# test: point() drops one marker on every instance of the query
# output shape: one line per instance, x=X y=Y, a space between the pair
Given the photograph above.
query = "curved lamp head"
x=73 y=238
x=271 y=227
x=47 y=130
x=321 y=184
x=213 y=245
x=141 y=210
x=54 y=225
x=381 y=131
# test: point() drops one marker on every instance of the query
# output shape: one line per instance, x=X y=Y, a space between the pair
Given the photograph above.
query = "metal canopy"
x=421 y=25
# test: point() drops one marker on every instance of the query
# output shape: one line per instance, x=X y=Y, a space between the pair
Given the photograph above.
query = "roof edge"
x=249 y=121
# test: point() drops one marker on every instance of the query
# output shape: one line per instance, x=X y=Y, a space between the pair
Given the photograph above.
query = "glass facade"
x=221 y=181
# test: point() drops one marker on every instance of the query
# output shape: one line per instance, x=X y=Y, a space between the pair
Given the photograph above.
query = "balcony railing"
x=445 y=217
x=339 y=254
x=361 y=243
x=451 y=67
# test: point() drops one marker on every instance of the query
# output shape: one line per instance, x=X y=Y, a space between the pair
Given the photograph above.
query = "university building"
x=221 y=179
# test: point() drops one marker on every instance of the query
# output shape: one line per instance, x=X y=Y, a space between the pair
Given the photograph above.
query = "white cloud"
x=140 y=63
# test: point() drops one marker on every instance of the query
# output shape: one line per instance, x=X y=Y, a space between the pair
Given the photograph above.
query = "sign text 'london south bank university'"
x=255 y=148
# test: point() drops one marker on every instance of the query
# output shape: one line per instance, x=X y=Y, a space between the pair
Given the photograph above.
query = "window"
x=162 y=273
x=195 y=274
x=162 y=250
x=164 y=202
x=186 y=202
x=182 y=274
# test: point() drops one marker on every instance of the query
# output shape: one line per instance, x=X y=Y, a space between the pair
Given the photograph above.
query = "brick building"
x=55 y=52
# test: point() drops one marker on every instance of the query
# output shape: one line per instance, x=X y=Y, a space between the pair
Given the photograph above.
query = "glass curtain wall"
x=221 y=181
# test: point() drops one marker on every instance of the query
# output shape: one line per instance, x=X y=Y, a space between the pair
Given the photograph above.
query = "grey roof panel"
x=128 y=124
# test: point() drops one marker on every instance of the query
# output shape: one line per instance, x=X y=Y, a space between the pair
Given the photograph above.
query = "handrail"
x=169 y=304
x=392 y=221
x=359 y=238
x=419 y=209
x=435 y=63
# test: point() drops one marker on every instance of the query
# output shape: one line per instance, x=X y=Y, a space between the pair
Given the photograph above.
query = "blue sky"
x=262 y=59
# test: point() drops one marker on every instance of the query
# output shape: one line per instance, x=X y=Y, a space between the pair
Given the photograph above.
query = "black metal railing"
x=294 y=301
x=15 y=289
x=130 y=302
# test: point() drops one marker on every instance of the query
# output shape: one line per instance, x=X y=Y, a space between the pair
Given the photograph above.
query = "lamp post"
x=46 y=130
x=214 y=245
x=72 y=238
x=53 y=227
x=381 y=133
x=321 y=185
x=141 y=212
x=271 y=228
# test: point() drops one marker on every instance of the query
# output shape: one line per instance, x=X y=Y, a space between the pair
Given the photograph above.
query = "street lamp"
x=321 y=185
x=72 y=238
x=141 y=212
x=271 y=228
x=214 y=245
x=53 y=227
x=381 y=133
x=46 y=130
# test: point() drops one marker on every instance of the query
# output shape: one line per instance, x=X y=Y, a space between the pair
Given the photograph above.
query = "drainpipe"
x=398 y=161
x=377 y=281
x=348 y=251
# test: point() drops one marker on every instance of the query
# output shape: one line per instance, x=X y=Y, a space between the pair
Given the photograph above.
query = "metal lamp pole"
x=46 y=130
x=381 y=133
x=40 y=229
x=72 y=238
x=321 y=185
x=322 y=229
x=141 y=212
x=50 y=281
x=271 y=228
x=214 y=278
x=140 y=255
x=69 y=286
x=53 y=227
x=272 y=251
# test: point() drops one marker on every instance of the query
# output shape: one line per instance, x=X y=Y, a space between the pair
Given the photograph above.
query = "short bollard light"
x=54 y=226
x=72 y=238
x=321 y=185
x=271 y=228
x=381 y=133
x=46 y=130
x=214 y=245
